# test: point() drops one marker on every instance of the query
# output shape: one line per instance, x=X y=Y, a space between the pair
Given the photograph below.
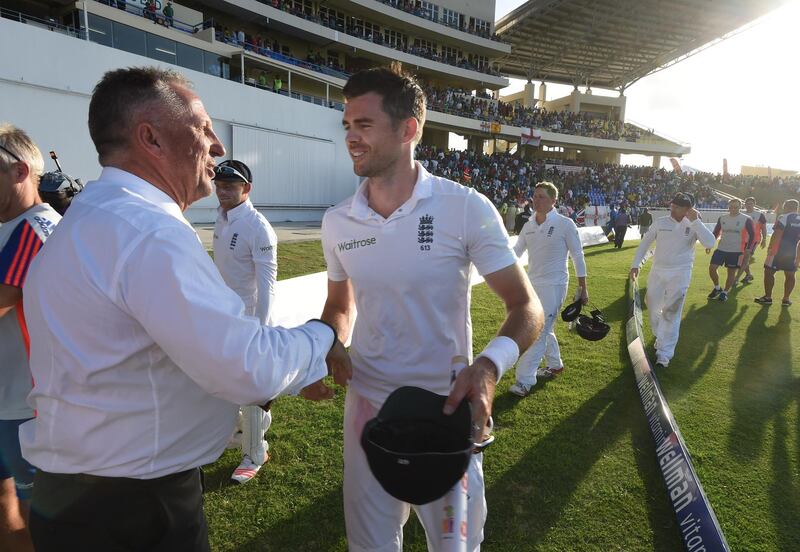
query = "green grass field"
x=573 y=467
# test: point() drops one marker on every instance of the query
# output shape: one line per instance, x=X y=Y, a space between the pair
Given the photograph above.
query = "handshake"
x=339 y=367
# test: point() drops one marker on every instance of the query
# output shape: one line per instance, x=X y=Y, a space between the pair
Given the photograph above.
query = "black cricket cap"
x=682 y=199
x=571 y=311
x=414 y=450
x=240 y=172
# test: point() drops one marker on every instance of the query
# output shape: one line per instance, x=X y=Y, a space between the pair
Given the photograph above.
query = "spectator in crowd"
x=25 y=223
x=169 y=12
x=277 y=84
x=151 y=11
x=125 y=421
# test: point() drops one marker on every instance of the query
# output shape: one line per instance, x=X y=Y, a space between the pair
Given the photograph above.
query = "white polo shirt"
x=21 y=238
x=548 y=245
x=246 y=254
x=140 y=353
x=674 y=243
x=410 y=274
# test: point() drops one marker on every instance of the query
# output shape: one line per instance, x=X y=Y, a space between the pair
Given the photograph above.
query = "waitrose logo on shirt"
x=355 y=244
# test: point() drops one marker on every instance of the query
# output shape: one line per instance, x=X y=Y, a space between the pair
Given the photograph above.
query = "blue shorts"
x=781 y=262
x=12 y=464
x=724 y=258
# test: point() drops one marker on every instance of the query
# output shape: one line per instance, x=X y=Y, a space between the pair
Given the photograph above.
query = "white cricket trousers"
x=666 y=293
x=551 y=297
x=255 y=423
x=373 y=518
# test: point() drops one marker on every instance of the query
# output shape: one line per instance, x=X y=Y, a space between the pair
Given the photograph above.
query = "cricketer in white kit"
x=246 y=254
x=400 y=250
x=674 y=237
x=549 y=238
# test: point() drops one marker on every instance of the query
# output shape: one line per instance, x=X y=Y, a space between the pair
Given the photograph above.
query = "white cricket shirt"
x=410 y=274
x=674 y=242
x=246 y=254
x=140 y=353
x=548 y=245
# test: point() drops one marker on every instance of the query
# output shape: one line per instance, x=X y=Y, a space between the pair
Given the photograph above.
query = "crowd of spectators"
x=484 y=108
x=415 y=7
x=768 y=191
x=504 y=178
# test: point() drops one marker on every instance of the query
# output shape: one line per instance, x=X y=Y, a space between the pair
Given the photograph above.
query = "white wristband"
x=503 y=352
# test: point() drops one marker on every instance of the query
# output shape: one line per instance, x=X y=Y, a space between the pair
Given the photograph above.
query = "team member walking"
x=140 y=352
x=548 y=238
x=26 y=223
x=246 y=254
x=736 y=234
x=760 y=227
x=645 y=221
x=400 y=249
x=783 y=254
x=674 y=237
x=621 y=223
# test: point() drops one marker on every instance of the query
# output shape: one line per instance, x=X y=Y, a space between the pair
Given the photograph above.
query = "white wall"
x=45 y=87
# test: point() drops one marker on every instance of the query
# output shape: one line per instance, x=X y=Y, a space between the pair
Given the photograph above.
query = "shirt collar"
x=423 y=188
x=145 y=190
x=237 y=212
x=549 y=216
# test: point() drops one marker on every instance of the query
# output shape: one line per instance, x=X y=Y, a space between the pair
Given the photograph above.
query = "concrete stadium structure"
x=271 y=72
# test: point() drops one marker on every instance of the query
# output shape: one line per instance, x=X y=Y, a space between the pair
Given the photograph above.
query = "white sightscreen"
x=288 y=170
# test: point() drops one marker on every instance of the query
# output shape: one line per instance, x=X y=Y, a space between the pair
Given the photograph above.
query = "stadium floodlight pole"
x=242 y=58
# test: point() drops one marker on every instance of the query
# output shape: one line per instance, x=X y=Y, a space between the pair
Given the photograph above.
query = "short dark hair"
x=750 y=199
x=402 y=97
x=124 y=93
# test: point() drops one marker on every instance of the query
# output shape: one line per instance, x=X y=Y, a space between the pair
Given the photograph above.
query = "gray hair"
x=122 y=96
x=17 y=141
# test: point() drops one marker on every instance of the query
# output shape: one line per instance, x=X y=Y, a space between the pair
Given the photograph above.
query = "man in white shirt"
x=548 y=238
x=246 y=254
x=25 y=223
x=674 y=237
x=141 y=354
x=400 y=250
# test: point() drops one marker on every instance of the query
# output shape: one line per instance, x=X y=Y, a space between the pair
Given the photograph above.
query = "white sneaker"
x=520 y=389
x=247 y=470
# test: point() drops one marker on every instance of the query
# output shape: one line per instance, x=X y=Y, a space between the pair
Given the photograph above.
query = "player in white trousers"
x=399 y=251
x=549 y=238
x=245 y=252
x=674 y=237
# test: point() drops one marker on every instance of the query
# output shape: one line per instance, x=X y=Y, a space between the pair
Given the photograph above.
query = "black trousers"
x=115 y=514
x=619 y=235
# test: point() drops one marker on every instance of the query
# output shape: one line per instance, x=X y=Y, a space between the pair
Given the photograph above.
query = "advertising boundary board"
x=697 y=524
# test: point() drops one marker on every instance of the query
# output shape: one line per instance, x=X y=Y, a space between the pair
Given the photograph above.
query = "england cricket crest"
x=425 y=232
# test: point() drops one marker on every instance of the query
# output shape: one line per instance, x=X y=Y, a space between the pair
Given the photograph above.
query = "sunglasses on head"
x=225 y=172
x=11 y=153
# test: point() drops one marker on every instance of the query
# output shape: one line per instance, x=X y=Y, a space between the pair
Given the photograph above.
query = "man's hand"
x=317 y=391
x=584 y=296
x=763 y=244
x=692 y=214
x=634 y=273
x=476 y=383
x=339 y=365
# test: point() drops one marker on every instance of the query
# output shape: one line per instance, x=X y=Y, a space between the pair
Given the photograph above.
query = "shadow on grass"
x=535 y=492
x=763 y=389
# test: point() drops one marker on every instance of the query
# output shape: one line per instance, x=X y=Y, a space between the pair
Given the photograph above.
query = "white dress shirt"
x=674 y=243
x=140 y=352
x=411 y=279
x=548 y=245
x=246 y=254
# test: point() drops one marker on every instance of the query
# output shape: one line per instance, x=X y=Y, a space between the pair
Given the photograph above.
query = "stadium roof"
x=614 y=43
